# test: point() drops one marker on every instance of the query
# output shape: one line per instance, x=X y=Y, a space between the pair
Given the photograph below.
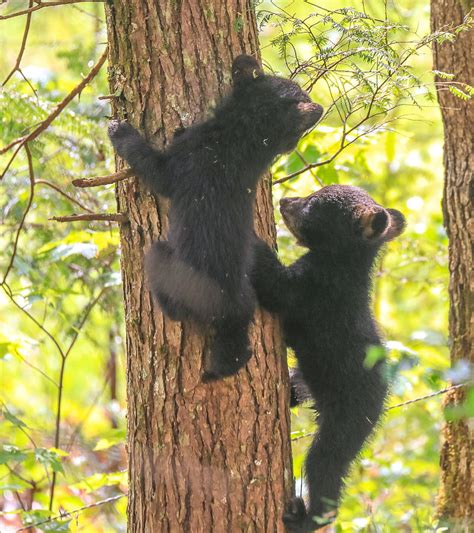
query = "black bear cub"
x=324 y=301
x=210 y=172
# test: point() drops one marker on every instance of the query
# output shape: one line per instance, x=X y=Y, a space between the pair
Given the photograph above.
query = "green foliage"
x=62 y=298
x=62 y=326
x=381 y=131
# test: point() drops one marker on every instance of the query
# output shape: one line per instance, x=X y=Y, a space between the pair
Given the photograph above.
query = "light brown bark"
x=456 y=498
x=202 y=458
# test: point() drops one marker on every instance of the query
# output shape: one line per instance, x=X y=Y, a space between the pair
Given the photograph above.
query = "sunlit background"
x=61 y=269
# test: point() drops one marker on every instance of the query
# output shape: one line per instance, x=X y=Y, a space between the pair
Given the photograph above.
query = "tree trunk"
x=456 y=499
x=202 y=458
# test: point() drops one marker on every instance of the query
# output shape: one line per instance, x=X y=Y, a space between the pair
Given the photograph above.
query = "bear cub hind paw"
x=221 y=364
x=297 y=520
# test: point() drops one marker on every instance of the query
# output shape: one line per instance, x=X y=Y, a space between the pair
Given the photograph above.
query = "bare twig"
x=21 y=141
x=308 y=167
x=31 y=176
x=64 y=356
x=28 y=82
x=22 y=46
x=13 y=472
x=21 y=427
x=57 y=432
x=91 y=15
x=303 y=160
x=331 y=59
x=12 y=158
x=103 y=180
x=89 y=411
x=343 y=145
x=63 y=193
x=9 y=293
x=427 y=396
x=85 y=315
x=40 y=5
x=403 y=404
x=72 y=513
x=112 y=217
x=107 y=97
x=32 y=366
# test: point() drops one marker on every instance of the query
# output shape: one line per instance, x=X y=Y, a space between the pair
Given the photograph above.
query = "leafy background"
x=61 y=334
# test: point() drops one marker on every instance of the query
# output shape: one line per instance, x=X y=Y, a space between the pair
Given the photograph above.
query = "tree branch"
x=408 y=402
x=63 y=193
x=21 y=141
x=308 y=167
x=31 y=176
x=9 y=293
x=40 y=5
x=22 y=47
x=57 y=433
x=73 y=512
x=103 y=180
x=106 y=217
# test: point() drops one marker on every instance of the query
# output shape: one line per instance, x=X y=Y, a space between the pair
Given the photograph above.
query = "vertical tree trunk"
x=456 y=500
x=202 y=458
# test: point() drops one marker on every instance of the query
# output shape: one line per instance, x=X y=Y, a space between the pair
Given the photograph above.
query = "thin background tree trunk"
x=456 y=499
x=202 y=458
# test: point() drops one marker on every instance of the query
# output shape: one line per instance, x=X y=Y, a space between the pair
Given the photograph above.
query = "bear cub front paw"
x=124 y=137
x=120 y=128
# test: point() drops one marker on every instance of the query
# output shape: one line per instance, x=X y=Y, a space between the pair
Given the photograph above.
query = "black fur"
x=210 y=172
x=324 y=300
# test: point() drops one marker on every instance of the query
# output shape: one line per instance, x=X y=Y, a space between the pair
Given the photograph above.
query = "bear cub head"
x=340 y=218
x=279 y=109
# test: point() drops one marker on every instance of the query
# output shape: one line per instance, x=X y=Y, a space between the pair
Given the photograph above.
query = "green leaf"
x=96 y=481
x=460 y=94
x=7 y=346
x=56 y=526
x=4 y=349
x=112 y=438
x=469 y=403
x=443 y=75
x=311 y=153
x=18 y=485
x=13 y=419
x=328 y=174
x=49 y=458
x=10 y=453
x=373 y=355
x=86 y=249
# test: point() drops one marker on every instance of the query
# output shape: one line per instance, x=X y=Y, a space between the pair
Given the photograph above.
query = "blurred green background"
x=60 y=269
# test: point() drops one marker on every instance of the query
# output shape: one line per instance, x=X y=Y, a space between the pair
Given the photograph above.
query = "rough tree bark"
x=202 y=458
x=456 y=498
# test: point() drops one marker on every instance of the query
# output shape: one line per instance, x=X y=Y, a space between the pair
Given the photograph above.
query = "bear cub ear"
x=377 y=222
x=245 y=68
